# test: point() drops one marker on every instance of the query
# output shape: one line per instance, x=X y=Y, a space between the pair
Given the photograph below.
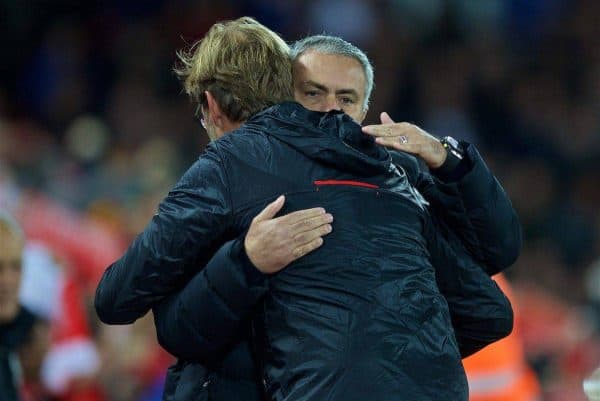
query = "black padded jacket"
x=380 y=312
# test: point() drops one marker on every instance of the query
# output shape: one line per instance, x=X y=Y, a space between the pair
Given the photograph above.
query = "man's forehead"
x=334 y=69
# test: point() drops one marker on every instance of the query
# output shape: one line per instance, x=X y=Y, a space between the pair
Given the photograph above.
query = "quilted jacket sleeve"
x=200 y=321
x=481 y=314
x=191 y=221
x=479 y=212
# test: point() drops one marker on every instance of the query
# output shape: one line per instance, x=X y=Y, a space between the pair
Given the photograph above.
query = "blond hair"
x=243 y=64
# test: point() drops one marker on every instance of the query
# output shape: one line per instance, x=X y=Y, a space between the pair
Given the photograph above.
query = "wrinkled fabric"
x=370 y=321
x=475 y=208
x=396 y=325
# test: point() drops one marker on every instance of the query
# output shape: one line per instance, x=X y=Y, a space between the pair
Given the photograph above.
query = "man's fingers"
x=385 y=118
x=305 y=249
x=300 y=215
x=271 y=209
x=308 y=236
x=394 y=143
x=310 y=223
x=389 y=130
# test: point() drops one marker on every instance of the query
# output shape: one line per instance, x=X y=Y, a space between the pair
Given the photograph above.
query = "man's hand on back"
x=408 y=138
x=273 y=243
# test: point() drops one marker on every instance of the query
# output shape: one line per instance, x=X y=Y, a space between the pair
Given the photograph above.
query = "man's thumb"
x=385 y=118
x=271 y=209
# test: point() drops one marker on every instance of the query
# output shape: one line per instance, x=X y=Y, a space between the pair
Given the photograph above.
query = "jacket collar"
x=332 y=138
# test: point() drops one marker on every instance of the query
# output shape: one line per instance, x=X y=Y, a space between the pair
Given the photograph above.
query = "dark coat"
x=13 y=334
x=390 y=298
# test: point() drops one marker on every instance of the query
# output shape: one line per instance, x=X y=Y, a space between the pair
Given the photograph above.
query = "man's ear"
x=215 y=113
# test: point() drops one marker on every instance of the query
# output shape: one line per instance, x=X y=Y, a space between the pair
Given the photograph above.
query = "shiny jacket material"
x=395 y=327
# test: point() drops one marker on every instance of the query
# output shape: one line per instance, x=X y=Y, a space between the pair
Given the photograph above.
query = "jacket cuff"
x=253 y=275
x=234 y=277
x=473 y=179
x=454 y=169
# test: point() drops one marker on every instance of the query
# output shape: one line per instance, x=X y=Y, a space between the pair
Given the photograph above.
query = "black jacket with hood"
x=370 y=320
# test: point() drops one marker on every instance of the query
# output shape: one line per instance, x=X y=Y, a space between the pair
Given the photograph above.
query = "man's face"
x=11 y=250
x=324 y=82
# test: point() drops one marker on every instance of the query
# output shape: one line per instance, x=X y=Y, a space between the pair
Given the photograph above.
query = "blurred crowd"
x=94 y=129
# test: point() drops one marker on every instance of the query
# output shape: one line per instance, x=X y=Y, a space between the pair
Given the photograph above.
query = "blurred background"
x=94 y=129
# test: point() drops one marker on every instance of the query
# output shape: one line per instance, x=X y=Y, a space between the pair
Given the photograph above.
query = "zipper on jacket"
x=346 y=182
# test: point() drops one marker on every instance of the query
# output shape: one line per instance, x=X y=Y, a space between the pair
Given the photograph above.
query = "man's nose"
x=332 y=104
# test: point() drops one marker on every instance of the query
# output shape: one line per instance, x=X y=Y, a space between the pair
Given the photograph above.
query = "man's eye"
x=311 y=93
x=347 y=100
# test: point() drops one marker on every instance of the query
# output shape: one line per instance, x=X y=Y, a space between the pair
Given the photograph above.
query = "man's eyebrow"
x=323 y=88
x=316 y=85
x=346 y=92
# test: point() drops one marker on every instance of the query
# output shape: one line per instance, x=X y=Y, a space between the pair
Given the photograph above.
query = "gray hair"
x=335 y=45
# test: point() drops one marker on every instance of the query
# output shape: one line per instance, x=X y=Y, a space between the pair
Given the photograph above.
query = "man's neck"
x=227 y=127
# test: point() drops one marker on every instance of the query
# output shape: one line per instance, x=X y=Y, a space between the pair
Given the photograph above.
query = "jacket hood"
x=331 y=138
